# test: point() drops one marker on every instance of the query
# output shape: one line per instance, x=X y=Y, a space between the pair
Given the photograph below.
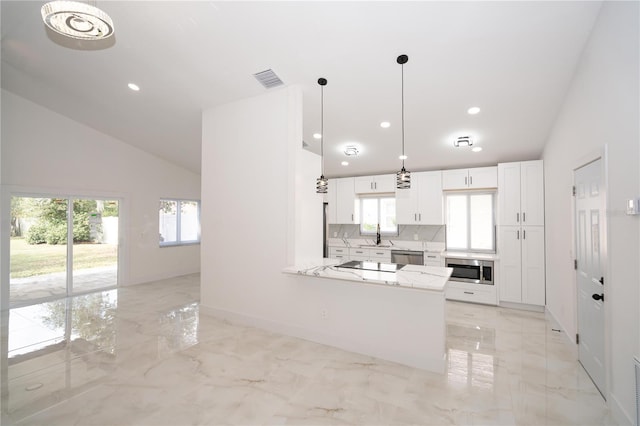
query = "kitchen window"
x=179 y=222
x=470 y=219
x=378 y=210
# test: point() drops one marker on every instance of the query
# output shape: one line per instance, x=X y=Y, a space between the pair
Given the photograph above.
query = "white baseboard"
x=571 y=338
x=521 y=306
x=618 y=413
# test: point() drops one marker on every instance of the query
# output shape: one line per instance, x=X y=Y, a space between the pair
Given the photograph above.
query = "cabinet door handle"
x=415 y=217
x=351 y=217
x=469 y=292
x=470 y=180
x=524 y=234
x=524 y=217
x=420 y=217
x=518 y=235
x=518 y=217
x=465 y=180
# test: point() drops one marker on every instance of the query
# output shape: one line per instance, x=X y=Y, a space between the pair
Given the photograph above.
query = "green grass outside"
x=31 y=260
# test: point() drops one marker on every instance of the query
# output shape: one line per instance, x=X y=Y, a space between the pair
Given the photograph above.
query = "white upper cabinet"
x=521 y=193
x=375 y=184
x=331 y=198
x=422 y=203
x=345 y=201
x=477 y=178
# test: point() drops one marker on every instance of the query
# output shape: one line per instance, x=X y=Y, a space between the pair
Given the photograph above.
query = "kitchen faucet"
x=378 y=240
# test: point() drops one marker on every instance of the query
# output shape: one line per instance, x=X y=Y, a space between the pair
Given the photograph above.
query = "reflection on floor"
x=143 y=355
x=23 y=290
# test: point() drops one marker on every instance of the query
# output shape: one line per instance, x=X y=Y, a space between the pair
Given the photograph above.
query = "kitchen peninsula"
x=397 y=316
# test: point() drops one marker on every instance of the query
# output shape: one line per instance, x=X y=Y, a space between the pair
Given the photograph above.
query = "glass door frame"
x=5 y=234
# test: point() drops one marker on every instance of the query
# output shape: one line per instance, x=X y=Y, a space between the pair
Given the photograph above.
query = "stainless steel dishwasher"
x=407 y=257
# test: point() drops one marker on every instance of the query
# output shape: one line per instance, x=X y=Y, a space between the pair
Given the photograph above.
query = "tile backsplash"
x=430 y=233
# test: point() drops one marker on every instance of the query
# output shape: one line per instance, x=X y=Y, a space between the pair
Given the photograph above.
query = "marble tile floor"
x=143 y=355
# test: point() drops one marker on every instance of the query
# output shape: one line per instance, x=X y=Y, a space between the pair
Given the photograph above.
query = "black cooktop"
x=373 y=266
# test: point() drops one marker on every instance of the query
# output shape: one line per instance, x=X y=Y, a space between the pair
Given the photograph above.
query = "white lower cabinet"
x=468 y=292
x=522 y=277
x=341 y=253
x=433 y=259
x=370 y=254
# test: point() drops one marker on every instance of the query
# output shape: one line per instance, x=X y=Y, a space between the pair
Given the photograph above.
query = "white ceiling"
x=515 y=60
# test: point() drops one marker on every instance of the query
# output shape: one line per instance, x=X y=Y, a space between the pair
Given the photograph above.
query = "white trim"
x=592 y=156
x=8 y=191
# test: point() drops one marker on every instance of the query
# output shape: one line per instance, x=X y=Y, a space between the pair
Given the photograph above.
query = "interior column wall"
x=601 y=108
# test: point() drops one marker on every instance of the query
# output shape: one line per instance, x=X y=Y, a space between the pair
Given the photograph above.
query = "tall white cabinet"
x=421 y=204
x=521 y=232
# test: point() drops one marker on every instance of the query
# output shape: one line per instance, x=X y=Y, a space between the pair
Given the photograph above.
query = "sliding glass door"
x=62 y=246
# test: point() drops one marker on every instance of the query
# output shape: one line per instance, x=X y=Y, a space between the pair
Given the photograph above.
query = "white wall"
x=47 y=152
x=601 y=108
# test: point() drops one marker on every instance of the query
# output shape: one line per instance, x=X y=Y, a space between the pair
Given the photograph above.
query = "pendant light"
x=322 y=183
x=403 y=177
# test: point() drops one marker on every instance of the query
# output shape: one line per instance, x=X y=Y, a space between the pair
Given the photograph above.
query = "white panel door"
x=532 y=193
x=483 y=177
x=510 y=264
x=509 y=194
x=589 y=227
x=533 y=279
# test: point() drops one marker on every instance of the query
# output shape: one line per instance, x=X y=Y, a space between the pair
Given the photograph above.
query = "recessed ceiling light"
x=476 y=149
x=133 y=87
x=317 y=135
x=473 y=110
x=402 y=157
x=345 y=163
x=385 y=124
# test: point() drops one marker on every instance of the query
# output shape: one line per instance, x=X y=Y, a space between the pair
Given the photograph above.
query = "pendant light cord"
x=402 y=68
x=322 y=127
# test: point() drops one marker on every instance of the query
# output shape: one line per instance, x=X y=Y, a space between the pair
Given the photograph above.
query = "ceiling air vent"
x=268 y=79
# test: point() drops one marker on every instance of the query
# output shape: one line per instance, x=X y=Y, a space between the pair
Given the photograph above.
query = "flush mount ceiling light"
x=403 y=177
x=351 y=151
x=322 y=183
x=473 y=110
x=463 y=141
x=77 y=20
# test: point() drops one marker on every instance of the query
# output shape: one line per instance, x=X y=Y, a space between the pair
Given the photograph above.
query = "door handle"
x=465 y=180
x=524 y=234
x=518 y=217
x=517 y=235
x=420 y=217
x=415 y=217
x=470 y=180
x=524 y=216
x=598 y=297
x=469 y=292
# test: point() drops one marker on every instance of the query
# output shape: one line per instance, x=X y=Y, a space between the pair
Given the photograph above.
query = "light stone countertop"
x=411 y=276
x=465 y=255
